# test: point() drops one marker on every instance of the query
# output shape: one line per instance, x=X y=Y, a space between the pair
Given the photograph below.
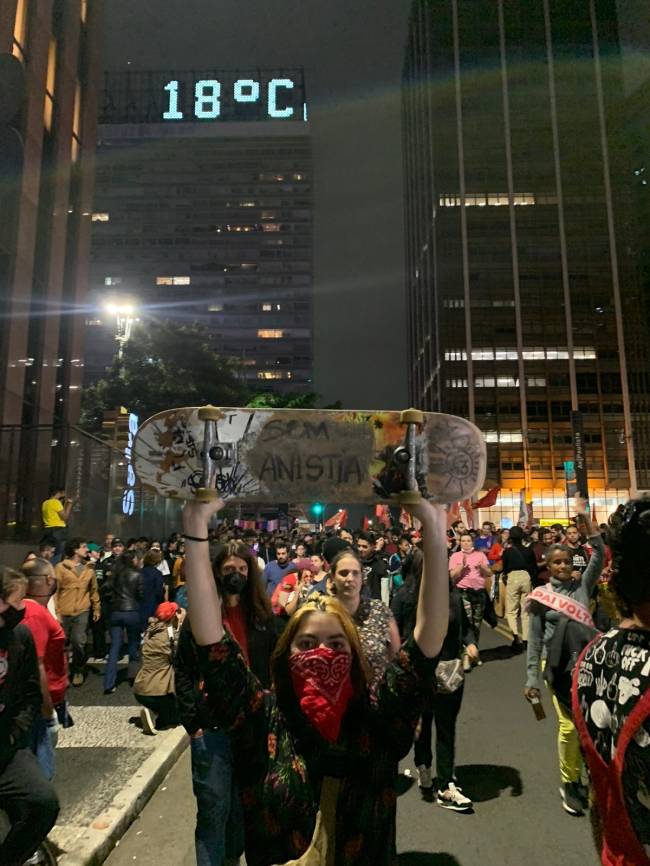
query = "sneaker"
x=425 y=782
x=36 y=859
x=571 y=799
x=148 y=722
x=453 y=798
x=77 y=679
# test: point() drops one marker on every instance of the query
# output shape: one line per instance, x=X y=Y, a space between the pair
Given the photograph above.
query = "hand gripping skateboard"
x=303 y=455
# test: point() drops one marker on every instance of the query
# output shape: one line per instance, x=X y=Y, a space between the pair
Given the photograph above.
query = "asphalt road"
x=506 y=762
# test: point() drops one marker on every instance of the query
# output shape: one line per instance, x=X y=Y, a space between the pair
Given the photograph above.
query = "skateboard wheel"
x=209 y=413
x=412 y=416
x=217 y=453
x=206 y=494
x=401 y=455
x=409 y=497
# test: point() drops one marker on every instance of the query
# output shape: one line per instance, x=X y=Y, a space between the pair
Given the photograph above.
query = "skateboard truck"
x=212 y=453
x=406 y=456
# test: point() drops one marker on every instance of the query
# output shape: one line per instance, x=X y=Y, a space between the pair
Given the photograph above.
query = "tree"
x=162 y=367
x=270 y=400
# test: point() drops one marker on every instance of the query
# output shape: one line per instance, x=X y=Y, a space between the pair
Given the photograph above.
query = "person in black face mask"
x=25 y=795
x=219 y=836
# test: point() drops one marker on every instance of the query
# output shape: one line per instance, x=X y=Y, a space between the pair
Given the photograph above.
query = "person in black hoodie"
x=219 y=835
x=375 y=571
x=519 y=569
x=447 y=691
x=25 y=795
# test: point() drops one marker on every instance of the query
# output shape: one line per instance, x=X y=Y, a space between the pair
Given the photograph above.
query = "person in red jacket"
x=49 y=640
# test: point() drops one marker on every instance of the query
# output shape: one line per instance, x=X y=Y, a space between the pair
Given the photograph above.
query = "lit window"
x=491 y=436
x=112 y=281
x=76 y=124
x=101 y=217
x=267 y=307
x=215 y=308
x=173 y=281
x=269 y=374
x=271 y=227
x=83 y=10
x=20 y=30
x=536 y=382
x=50 y=82
x=270 y=334
x=246 y=204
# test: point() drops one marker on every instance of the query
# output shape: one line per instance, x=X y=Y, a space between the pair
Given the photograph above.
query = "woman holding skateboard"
x=317 y=736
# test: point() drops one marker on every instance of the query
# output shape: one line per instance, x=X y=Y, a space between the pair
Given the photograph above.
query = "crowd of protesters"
x=280 y=607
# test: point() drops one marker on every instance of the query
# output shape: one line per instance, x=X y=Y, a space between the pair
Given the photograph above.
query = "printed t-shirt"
x=471 y=577
x=51 y=510
x=49 y=639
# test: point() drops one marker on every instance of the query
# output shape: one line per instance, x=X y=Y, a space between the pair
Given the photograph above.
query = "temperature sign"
x=213 y=99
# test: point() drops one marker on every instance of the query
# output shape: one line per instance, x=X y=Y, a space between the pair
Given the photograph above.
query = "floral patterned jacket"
x=280 y=759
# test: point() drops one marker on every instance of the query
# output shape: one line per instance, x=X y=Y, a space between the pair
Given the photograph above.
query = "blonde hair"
x=316 y=603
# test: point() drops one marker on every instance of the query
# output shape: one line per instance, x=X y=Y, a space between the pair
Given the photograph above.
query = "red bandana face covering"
x=322 y=683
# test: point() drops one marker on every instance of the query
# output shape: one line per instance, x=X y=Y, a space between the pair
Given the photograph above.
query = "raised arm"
x=432 y=620
x=203 y=600
x=595 y=566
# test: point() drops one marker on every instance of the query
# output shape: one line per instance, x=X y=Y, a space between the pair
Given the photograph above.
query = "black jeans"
x=445 y=712
x=31 y=805
x=164 y=706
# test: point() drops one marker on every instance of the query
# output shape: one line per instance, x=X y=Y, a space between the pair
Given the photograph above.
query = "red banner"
x=469 y=512
x=489 y=499
x=383 y=515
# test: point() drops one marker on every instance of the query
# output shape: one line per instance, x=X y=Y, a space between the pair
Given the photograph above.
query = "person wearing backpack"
x=550 y=607
x=611 y=701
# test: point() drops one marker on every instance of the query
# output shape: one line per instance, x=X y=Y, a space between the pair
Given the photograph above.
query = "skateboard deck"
x=303 y=455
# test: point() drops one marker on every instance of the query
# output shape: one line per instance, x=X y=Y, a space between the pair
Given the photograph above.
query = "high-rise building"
x=48 y=82
x=203 y=213
x=523 y=297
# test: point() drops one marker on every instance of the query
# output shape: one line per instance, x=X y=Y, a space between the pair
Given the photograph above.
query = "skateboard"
x=303 y=455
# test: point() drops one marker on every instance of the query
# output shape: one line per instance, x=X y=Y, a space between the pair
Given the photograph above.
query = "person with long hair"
x=247 y=615
x=611 y=700
x=545 y=615
x=374 y=621
x=317 y=735
x=125 y=593
x=446 y=689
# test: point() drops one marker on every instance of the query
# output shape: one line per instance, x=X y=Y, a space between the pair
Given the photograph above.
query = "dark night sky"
x=352 y=52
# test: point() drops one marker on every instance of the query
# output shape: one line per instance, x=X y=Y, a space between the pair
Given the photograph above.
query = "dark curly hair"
x=629 y=538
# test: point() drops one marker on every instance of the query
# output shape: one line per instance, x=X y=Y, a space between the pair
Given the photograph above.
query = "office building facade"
x=49 y=66
x=203 y=213
x=523 y=298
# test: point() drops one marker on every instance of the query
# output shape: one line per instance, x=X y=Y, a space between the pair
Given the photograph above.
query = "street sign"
x=579 y=455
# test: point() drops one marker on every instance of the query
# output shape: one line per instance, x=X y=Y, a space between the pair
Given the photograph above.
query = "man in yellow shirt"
x=56 y=512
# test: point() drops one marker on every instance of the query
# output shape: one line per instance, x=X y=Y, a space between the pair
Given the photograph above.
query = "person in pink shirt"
x=470 y=572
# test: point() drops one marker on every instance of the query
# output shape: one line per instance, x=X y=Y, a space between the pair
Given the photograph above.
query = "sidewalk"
x=106 y=771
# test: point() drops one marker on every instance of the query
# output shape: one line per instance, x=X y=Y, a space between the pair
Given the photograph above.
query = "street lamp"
x=124 y=312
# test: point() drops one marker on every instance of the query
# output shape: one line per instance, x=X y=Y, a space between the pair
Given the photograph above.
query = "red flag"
x=469 y=512
x=366 y=524
x=489 y=499
x=405 y=519
x=383 y=515
x=337 y=520
x=453 y=513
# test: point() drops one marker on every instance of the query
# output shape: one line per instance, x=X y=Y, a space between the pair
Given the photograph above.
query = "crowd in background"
x=98 y=603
